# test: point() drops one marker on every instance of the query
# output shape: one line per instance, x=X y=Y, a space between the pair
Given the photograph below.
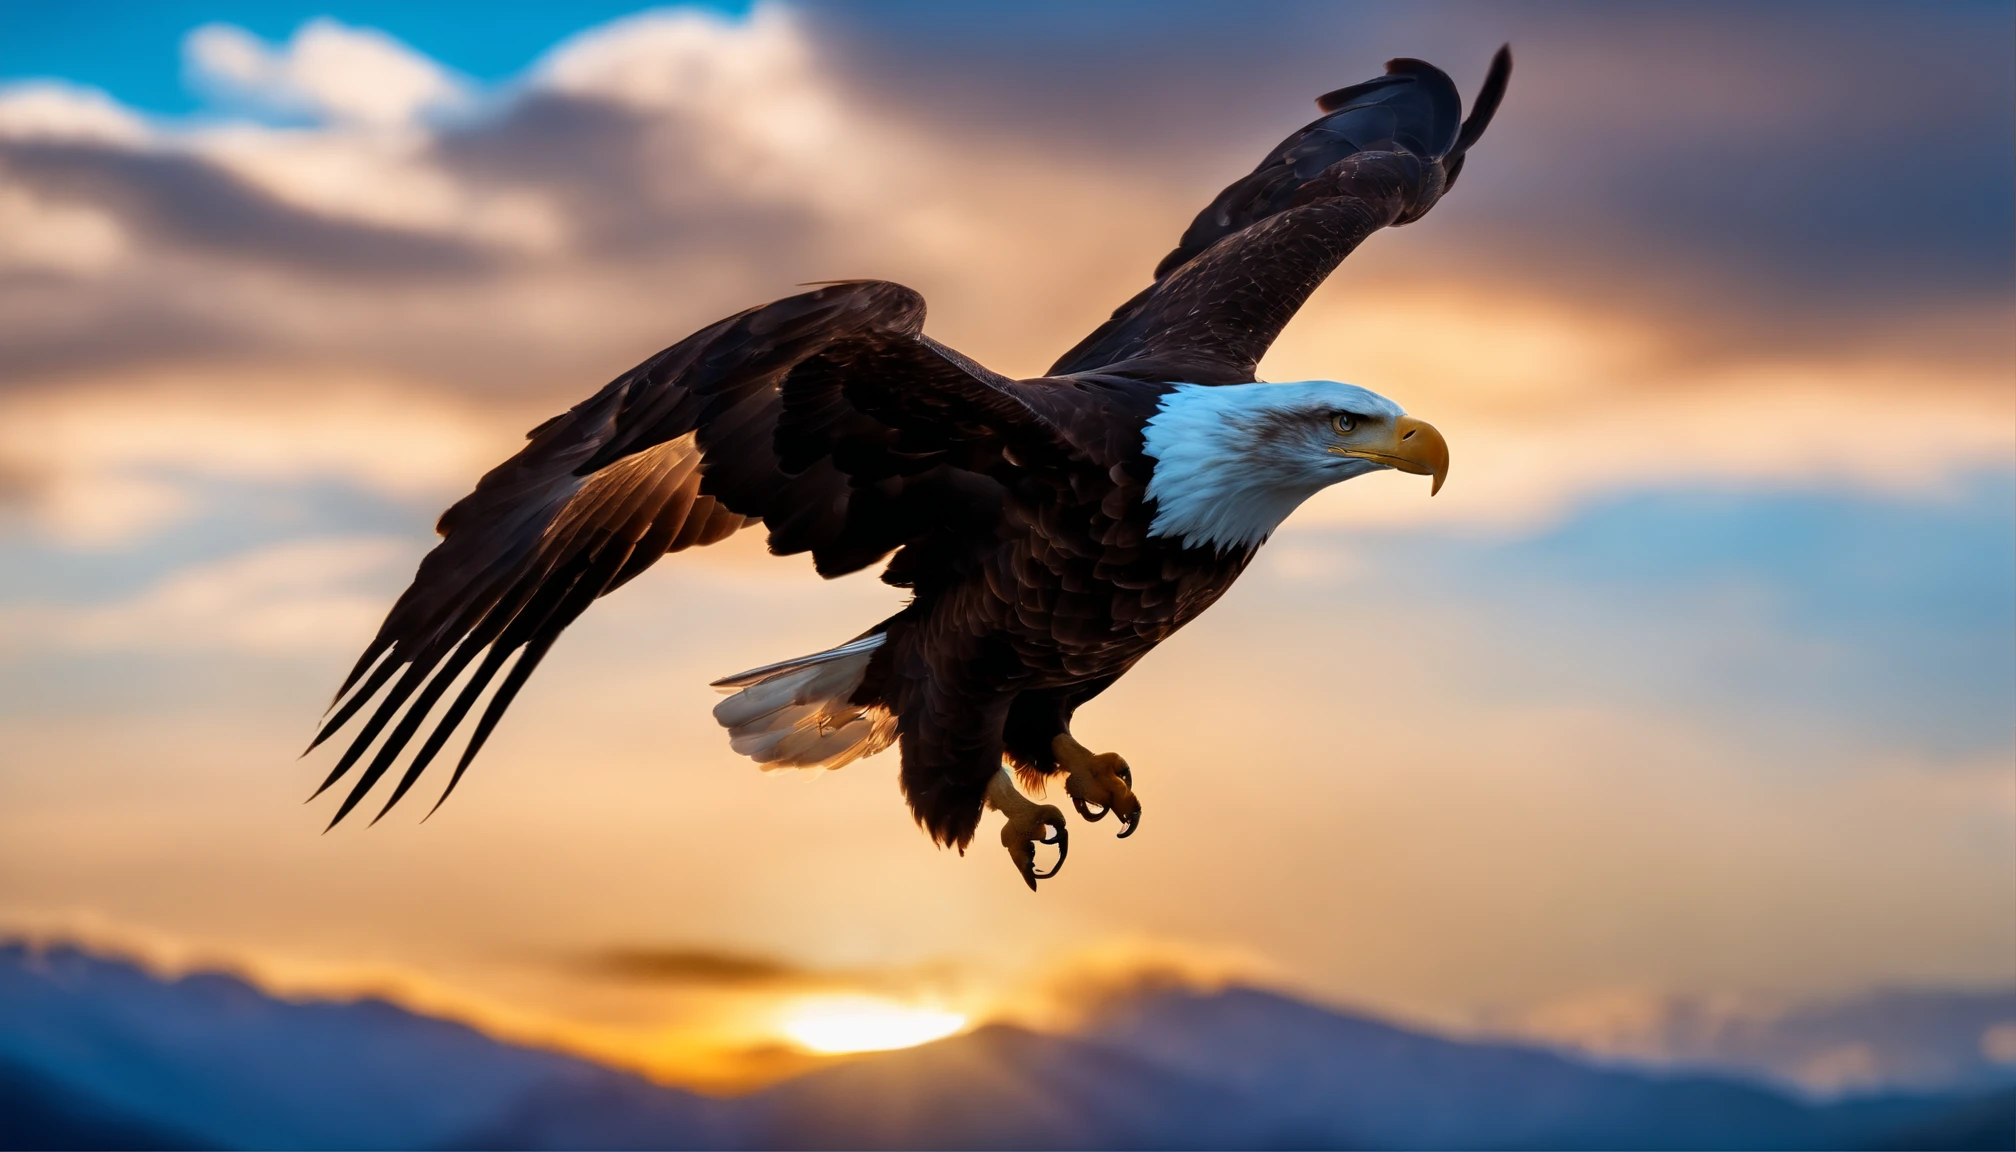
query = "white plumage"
x=1233 y=460
x=795 y=714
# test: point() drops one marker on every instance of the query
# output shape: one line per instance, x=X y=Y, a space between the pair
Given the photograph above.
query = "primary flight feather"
x=1052 y=530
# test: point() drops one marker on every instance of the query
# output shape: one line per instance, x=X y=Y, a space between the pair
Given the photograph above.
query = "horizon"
x=1627 y=1031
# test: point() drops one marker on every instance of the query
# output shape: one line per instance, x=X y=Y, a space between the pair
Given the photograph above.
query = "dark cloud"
x=696 y=966
x=53 y=324
x=628 y=183
x=213 y=251
x=185 y=202
x=1862 y=157
x=584 y=146
x=1830 y=163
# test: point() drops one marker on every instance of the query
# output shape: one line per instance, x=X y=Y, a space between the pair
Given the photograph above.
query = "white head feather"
x=1233 y=460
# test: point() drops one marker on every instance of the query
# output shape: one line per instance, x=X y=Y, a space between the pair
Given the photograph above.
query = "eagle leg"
x=1029 y=824
x=1098 y=783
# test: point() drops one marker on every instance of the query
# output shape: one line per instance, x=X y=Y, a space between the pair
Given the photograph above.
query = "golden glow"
x=835 y=1024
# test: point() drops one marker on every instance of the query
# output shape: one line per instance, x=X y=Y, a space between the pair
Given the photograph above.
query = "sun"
x=835 y=1024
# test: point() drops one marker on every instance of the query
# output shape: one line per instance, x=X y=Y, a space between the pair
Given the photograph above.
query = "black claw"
x=1063 y=842
x=1132 y=822
x=1091 y=812
x=1023 y=851
x=1126 y=775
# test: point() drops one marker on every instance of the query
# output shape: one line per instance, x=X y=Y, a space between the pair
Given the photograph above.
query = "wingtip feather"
x=377 y=648
x=1488 y=98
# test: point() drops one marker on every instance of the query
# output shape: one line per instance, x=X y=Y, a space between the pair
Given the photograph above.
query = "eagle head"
x=1232 y=461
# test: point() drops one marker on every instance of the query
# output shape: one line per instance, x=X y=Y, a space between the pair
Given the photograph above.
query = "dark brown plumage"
x=1018 y=511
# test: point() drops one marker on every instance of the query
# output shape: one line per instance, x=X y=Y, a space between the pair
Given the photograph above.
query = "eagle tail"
x=800 y=714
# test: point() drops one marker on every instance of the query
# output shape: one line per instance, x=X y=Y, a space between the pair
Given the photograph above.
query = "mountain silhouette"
x=107 y=1055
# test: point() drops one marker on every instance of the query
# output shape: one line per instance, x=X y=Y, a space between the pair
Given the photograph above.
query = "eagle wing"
x=1383 y=152
x=828 y=416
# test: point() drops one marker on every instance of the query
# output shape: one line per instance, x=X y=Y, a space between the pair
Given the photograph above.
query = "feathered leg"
x=953 y=749
x=951 y=743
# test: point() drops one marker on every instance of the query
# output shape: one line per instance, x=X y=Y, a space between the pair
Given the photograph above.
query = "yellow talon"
x=1098 y=783
x=1029 y=824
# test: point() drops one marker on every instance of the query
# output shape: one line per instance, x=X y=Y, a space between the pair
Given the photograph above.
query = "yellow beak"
x=1411 y=446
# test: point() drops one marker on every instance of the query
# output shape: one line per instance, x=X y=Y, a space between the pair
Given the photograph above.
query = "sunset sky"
x=1698 y=678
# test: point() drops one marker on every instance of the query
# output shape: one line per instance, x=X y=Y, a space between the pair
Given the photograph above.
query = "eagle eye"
x=1343 y=422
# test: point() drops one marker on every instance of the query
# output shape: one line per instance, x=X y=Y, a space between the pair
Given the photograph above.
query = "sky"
x=1698 y=678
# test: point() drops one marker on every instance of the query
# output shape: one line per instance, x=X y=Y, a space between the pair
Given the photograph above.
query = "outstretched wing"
x=1382 y=153
x=828 y=416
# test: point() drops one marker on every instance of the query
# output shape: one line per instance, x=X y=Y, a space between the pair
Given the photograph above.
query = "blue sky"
x=132 y=49
x=1889 y=620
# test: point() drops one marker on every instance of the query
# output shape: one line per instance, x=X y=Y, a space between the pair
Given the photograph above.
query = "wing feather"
x=683 y=451
x=1383 y=153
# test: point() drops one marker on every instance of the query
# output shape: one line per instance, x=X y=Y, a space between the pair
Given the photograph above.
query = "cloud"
x=651 y=174
x=46 y=110
x=1572 y=331
x=383 y=181
x=700 y=966
x=366 y=155
x=1800 y=618
x=352 y=190
x=1735 y=163
x=103 y=465
x=1891 y=1040
x=319 y=206
x=301 y=596
x=1812 y=424
x=38 y=234
x=722 y=1033
x=328 y=70
x=688 y=59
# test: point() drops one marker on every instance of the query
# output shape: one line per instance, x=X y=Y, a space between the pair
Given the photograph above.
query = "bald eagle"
x=1052 y=531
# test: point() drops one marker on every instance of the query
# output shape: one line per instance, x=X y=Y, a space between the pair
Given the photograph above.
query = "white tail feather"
x=795 y=714
x=866 y=643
